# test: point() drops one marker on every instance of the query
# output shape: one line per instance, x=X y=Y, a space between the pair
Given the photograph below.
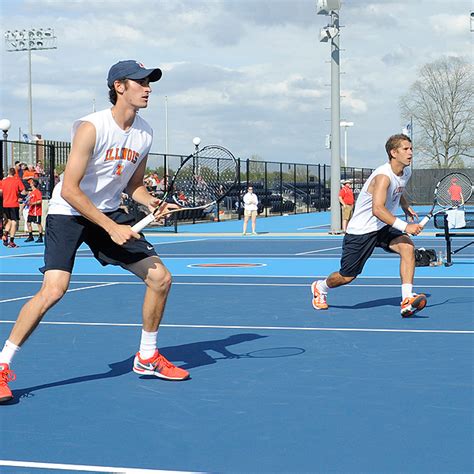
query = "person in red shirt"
x=455 y=192
x=35 y=212
x=12 y=189
x=346 y=198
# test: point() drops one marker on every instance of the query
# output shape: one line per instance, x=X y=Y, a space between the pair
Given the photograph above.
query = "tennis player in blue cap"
x=108 y=154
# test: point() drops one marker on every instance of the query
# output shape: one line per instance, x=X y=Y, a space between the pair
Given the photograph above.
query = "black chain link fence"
x=282 y=188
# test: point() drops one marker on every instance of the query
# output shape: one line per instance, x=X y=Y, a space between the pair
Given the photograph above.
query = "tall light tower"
x=345 y=125
x=30 y=40
x=331 y=32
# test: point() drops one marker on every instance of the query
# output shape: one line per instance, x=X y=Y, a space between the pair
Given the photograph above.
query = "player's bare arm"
x=407 y=209
x=136 y=189
x=379 y=188
x=81 y=151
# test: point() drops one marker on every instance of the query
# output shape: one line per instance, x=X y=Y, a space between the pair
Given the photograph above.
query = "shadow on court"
x=395 y=301
x=193 y=355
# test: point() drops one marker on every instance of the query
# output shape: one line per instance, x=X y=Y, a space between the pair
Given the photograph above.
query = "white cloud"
x=250 y=74
x=452 y=25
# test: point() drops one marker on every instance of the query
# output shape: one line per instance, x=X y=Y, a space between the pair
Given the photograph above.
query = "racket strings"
x=454 y=190
x=205 y=178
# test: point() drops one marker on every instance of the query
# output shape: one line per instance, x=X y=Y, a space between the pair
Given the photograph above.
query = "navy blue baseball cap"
x=130 y=69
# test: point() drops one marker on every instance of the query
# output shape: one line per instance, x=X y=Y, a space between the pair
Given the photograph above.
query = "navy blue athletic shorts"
x=65 y=234
x=356 y=249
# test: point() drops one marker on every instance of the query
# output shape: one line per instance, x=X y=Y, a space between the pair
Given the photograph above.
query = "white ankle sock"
x=8 y=352
x=148 y=344
x=407 y=290
x=322 y=286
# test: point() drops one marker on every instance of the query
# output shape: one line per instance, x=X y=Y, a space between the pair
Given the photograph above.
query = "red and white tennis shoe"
x=6 y=375
x=319 y=298
x=413 y=304
x=158 y=366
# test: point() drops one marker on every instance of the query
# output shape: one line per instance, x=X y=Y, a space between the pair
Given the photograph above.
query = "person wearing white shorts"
x=250 y=210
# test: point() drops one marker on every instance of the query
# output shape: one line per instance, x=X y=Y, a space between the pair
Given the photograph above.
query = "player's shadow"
x=395 y=301
x=193 y=355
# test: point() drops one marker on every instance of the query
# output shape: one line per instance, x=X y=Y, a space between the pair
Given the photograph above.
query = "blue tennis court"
x=275 y=385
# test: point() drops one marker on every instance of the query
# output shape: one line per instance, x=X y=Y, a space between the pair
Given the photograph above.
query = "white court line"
x=178 y=241
x=315 y=227
x=68 y=291
x=254 y=328
x=78 y=467
x=317 y=251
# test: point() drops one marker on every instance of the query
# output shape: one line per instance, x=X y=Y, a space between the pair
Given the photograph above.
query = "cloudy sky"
x=247 y=74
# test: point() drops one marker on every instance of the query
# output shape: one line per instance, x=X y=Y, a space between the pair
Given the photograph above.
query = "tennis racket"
x=452 y=191
x=202 y=180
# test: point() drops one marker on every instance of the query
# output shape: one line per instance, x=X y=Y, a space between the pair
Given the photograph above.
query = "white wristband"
x=400 y=225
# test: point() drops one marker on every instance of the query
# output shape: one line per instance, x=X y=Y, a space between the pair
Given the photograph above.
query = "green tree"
x=441 y=104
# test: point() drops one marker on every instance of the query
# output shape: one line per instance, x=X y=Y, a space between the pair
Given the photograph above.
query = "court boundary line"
x=86 y=468
x=70 y=290
x=255 y=328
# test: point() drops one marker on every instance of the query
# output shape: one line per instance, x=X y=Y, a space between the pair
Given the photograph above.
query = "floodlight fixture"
x=325 y=7
x=33 y=39
x=327 y=33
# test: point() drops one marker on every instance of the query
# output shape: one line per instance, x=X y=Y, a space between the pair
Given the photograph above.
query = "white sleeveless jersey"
x=116 y=156
x=363 y=221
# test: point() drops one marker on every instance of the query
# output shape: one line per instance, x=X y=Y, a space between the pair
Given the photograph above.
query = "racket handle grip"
x=424 y=221
x=140 y=225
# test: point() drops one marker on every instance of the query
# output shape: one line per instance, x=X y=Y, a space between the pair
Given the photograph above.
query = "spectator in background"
x=21 y=171
x=28 y=174
x=346 y=198
x=35 y=212
x=39 y=169
x=18 y=170
x=455 y=193
x=250 y=210
x=13 y=188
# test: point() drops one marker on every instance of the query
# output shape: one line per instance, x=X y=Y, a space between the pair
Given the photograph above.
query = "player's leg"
x=411 y=302
x=55 y=284
x=157 y=279
x=356 y=249
x=140 y=258
x=148 y=360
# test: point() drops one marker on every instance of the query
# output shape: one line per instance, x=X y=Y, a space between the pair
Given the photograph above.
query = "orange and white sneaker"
x=158 y=366
x=319 y=299
x=6 y=375
x=413 y=304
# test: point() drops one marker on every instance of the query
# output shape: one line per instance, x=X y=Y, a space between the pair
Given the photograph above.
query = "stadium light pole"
x=346 y=125
x=332 y=32
x=30 y=40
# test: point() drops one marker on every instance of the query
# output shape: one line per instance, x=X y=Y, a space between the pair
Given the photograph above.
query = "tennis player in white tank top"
x=108 y=154
x=374 y=225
